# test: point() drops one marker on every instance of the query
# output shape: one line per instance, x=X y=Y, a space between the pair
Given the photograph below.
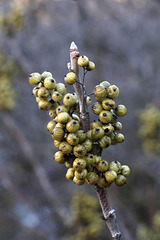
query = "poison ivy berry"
x=99 y=91
x=108 y=104
x=83 y=61
x=65 y=147
x=61 y=88
x=97 y=133
x=120 y=180
x=79 y=164
x=90 y=66
x=72 y=126
x=112 y=91
x=49 y=83
x=79 y=151
x=56 y=96
x=125 y=170
x=120 y=110
x=81 y=174
x=78 y=181
x=70 y=173
x=105 y=84
x=102 y=166
x=70 y=78
x=51 y=125
x=105 y=116
x=110 y=176
x=59 y=157
x=92 y=178
x=34 y=78
x=72 y=139
x=87 y=144
x=97 y=108
x=63 y=117
x=44 y=104
x=115 y=166
x=46 y=74
x=43 y=93
x=58 y=134
x=69 y=100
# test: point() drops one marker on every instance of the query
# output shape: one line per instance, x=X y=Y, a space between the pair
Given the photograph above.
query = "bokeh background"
x=122 y=37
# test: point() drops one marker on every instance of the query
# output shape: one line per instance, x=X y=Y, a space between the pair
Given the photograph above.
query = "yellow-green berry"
x=112 y=91
x=105 y=116
x=34 y=78
x=70 y=78
x=120 y=110
x=83 y=61
x=59 y=157
x=110 y=176
x=120 y=180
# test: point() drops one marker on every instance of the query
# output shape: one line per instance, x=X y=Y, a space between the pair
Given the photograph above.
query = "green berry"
x=56 y=96
x=34 y=78
x=70 y=78
x=110 y=176
x=99 y=91
x=112 y=91
x=70 y=173
x=97 y=108
x=120 y=180
x=83 y=61
x=90 y=66
x=60 y=87
x=125 y=170
x=72 y=139
x=102 y=166
x=43 y=93
x=58 y=134
x=108 y=104
x=79 y=151
x=97 y=133
x=65 y=147
x=72 y=126
x=105 y=116
x=92 y=178
x=59 y=157
x=49 y=83
x=79 y=164
x=120 y=110
x=69 y=100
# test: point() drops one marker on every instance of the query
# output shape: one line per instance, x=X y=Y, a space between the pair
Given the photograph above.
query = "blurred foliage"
x=145 y=232
x=7 y=92
x=86 y=221
x=12 y=22
x=149 y=131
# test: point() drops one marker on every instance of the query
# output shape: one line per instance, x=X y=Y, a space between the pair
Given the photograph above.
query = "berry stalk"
x=108 y=212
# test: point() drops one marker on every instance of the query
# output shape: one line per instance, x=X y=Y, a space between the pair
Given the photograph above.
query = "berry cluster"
x=149 y=130
x=76 y=146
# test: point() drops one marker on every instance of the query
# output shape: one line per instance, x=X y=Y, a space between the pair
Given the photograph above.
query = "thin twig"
x=108 y=212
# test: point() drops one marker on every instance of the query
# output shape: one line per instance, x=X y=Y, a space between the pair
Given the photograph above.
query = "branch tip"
x=73 y=46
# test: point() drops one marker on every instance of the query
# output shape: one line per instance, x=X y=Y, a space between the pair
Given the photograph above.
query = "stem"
x=108 y=212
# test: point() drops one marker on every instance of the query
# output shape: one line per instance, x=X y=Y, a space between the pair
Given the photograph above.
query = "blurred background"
x=122 y=37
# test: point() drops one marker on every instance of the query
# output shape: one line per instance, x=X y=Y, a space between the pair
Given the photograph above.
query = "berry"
x=34 y=78
x=120 y=110
x=70 y=78
x=83 y=61
x=112 y=91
